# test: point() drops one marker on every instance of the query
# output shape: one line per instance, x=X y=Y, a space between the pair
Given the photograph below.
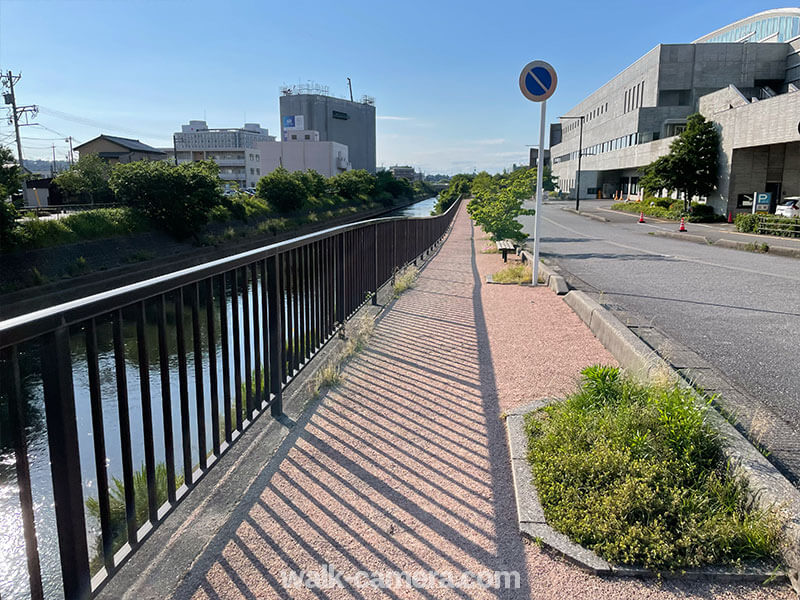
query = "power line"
x=91 y=122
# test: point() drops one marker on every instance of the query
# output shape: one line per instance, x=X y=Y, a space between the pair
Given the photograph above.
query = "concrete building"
x=234 y=150
x=744 y=77
x=115 y=149
x=336 y=120
x=304 y=151
x=534 y=158
x=405 y=172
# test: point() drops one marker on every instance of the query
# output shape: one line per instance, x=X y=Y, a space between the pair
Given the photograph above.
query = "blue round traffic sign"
x=538 y=81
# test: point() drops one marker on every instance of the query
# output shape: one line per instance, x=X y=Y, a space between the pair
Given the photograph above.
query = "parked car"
x=790 y=208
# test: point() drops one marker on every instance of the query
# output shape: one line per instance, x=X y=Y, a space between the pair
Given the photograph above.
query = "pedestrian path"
x=402 y=470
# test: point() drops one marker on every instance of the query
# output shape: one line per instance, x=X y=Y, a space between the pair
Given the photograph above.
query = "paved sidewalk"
x=404 y=466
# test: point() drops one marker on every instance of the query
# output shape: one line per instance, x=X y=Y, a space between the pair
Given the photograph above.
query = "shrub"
x=176 y=199
x=661 y=202
x=8 y=221
x=746 y=222
x=282 y=190
x=353 y=185
x=314 y=183
x=635 y=473
x=81 y=226
x=86 y=181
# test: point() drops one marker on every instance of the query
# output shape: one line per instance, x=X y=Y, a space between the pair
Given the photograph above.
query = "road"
x=739 y=311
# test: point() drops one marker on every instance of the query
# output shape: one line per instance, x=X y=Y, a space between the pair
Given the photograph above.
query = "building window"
x=258 y=171
x=252 y=171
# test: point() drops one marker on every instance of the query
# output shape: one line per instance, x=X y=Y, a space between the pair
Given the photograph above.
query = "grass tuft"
x=635 y=473
x=405 y=280
x=518 y=273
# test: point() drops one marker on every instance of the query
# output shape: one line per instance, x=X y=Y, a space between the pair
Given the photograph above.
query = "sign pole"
x=539 y=179
x=537 y=82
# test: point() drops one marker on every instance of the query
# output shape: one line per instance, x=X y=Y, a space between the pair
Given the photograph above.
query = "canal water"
x=423 y=208
x=13 y=569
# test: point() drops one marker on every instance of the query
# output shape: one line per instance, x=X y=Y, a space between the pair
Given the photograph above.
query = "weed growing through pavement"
x=634 y=472
x=762 y=248
x=405 y=280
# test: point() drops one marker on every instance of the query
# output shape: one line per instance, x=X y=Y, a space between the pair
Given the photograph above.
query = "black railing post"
x=16 y=414
x=340 y=279
x=376 y=278
x=62 y=436
x=276 y=337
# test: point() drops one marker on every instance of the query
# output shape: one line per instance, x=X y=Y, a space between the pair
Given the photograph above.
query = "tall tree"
x=86 y=181
x=691 y=165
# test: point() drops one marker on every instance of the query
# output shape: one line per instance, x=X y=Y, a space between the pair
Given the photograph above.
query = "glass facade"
x=787 y=27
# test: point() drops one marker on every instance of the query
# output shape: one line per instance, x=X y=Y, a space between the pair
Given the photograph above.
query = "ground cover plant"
x=634 y=472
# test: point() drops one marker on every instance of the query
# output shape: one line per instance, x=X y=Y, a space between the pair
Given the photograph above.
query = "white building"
x=234 y=150
x=301 y=151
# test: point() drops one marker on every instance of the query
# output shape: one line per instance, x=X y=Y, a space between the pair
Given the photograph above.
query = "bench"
x=506 y=246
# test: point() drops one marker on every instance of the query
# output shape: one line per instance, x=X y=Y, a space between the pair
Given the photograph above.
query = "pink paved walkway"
x=404 y=466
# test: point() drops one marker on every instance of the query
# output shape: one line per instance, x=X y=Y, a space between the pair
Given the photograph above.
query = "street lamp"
x=578 y=173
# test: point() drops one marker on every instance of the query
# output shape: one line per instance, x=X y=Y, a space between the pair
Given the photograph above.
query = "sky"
x=444 y=75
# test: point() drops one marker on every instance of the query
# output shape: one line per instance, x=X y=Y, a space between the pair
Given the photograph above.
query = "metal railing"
x=783 y=228
x=141 y=389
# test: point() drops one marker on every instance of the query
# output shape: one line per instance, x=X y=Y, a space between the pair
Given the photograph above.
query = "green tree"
x=10 y=180
x=86 y=181
x=354 y=185
x=10 y=173
x=282 y=190
x=691 y=165
x=314 y=183
x=177 y=199
x=657 y=176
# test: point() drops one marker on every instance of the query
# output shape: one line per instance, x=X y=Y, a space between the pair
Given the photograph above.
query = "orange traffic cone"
x=682 y=227
x=730 y=217
x=641 y=217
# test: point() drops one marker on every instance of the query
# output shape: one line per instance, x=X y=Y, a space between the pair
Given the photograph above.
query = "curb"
x=732 y=244
x=768 y=489
x=585 y=214
x=533 y=525
x=551 y=279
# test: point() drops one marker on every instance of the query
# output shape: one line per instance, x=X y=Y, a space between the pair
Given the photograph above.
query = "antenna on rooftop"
x=350 y=85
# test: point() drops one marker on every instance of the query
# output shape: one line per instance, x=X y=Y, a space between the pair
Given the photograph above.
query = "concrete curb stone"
x=726 y=243
x=768 y=489
x=585 y=214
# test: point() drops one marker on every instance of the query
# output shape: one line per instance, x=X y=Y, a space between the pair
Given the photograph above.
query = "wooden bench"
x=506 y=246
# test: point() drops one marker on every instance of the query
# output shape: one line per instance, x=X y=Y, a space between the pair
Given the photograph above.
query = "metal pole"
x=539 y=176
x=578 y=175
x=15 y=116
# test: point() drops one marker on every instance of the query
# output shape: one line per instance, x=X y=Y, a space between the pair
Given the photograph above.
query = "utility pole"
x=9 y=79
x=69 y=139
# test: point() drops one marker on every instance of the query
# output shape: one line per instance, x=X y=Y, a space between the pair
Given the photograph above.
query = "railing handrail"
x=27 y=326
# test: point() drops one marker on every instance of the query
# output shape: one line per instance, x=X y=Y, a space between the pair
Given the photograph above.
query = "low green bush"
x=746 y=222
x=698 y=213
x=8 y=221
x=635 y=473
x=78 y=227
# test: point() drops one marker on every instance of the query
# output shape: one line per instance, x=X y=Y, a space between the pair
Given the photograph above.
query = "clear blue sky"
x=444 y=74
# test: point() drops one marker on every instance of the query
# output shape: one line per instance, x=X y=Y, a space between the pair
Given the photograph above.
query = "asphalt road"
x=739 y=311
